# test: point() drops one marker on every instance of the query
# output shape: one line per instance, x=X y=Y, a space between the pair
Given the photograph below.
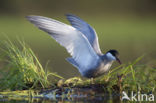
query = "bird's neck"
x=107 y=58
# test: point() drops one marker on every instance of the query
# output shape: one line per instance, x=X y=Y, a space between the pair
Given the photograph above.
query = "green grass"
x=135 y=77
x=23 y=69
x=131 y=77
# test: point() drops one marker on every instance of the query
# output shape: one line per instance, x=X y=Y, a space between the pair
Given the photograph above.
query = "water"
x=66 y=100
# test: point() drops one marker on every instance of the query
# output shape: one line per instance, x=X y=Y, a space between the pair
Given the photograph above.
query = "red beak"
x=118 y=60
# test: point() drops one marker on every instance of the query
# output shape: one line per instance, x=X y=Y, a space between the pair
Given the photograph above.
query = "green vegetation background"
x=128 y=26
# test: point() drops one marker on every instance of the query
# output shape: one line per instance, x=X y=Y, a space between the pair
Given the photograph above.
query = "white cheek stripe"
x=110 y=56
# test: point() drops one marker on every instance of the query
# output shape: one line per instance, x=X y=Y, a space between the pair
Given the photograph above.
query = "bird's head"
x=113 y=55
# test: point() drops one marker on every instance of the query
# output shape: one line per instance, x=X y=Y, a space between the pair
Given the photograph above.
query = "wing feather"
x=70 y=38
x=86 y=29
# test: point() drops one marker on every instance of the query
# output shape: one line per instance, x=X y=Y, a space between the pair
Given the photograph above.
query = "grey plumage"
x=80 y=40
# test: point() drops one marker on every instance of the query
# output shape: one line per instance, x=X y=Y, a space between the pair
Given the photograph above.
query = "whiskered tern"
x=81 y=42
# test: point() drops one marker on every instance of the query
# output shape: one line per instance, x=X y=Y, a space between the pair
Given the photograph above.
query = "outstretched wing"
x=69 y=37
x=86 y=29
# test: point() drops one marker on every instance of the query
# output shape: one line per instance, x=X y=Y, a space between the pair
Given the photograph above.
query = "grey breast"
x=102 y=67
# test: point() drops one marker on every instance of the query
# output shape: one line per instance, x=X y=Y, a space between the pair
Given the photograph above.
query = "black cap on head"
x=115 y=53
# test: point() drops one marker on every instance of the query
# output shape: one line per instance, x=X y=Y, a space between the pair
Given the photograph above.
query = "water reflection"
x=98 y=99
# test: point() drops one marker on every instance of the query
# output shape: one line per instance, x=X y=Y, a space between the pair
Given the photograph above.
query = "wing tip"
x=71 y=15
x=31 y=17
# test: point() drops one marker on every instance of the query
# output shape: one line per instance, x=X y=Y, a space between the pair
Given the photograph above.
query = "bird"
x=80 y=41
